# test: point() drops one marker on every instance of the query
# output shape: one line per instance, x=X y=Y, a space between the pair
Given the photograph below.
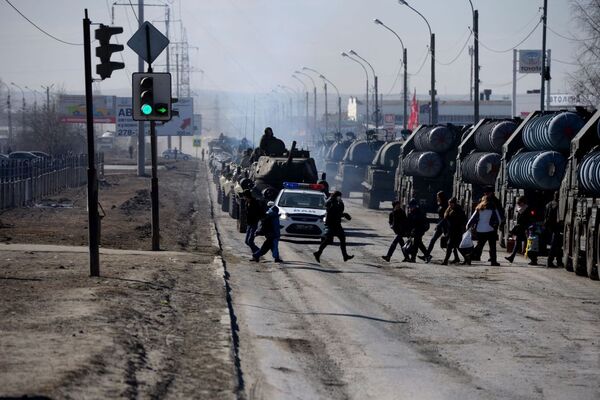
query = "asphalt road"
x=371 y=330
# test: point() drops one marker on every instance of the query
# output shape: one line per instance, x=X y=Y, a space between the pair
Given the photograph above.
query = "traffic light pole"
x=154 y=179
x=92 y=181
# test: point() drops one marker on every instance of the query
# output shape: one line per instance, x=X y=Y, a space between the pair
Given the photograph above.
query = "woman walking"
x=455 y=220
x=485 y=222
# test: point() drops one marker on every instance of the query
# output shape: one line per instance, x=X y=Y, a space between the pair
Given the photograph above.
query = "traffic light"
x=151 y=96
x=106 y=49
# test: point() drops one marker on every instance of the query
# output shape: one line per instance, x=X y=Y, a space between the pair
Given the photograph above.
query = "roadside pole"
x=92 y=181
x=141 y=125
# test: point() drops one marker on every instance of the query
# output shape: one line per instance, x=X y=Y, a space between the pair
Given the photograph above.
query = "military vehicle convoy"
x=534 y=161
x=378 y=185
x=427 y=164
x=334 y=156
x=352 y=169
x=478 y=160
x=579 y=205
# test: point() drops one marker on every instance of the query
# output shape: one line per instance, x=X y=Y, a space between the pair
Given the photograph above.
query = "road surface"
x=371 y=330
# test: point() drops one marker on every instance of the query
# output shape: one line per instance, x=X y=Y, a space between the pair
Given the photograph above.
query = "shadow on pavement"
x=331 y=314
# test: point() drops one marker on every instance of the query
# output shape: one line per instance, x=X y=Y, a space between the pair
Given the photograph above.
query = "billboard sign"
x=182 y=124
x=126 y=126
x=558 y=100
x=530 y=61
x=71 y=109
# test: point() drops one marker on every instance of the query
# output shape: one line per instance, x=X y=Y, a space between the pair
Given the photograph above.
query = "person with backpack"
x=270 y=227
x=333 y=221
x=455 y=220
x=397 y=221
x=416 y=225
x=485 y=222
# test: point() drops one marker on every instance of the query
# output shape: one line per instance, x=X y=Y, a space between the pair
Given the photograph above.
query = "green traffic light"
x=146 y=109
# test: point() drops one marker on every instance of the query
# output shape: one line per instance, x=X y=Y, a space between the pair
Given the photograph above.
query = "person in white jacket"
x=485 y=221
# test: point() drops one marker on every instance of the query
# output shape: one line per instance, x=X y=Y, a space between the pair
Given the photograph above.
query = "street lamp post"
x=35 y=93
x=306 y=100
x=404 y=61
x=376 y=88
x=23 y=106
x=367 y=78
x=432 y=111
x=325 y=92
x=314 y=99
x=339 y=102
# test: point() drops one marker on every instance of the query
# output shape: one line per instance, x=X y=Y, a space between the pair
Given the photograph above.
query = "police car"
x=301 y=209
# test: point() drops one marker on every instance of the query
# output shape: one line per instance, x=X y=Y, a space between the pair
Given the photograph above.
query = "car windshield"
x=302 y=200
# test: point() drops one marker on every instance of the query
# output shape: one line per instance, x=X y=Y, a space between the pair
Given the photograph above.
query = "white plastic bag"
x=467 y=240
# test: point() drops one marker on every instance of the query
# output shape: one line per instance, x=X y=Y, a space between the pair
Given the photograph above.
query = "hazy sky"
x=254 y=45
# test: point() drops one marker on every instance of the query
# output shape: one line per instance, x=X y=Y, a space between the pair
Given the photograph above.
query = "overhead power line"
x=513 y=47
x=40 y=29
x=459 y=53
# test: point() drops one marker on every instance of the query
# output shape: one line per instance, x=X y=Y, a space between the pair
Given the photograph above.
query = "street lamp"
x=35 y=93
x=475 y=14
x=314 y=99
x=339 y=103
x=47 y=89
x=293 y=92
x=325 y=91
x=404 y=61
x=432 y=111
x=24 y=105
x=352 y=52
x=344 y=54
x=306 y=99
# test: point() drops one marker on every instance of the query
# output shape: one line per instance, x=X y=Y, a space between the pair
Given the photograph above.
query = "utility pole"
x=549 y=78
x=433 y=113
x=376 y=103
x=405 y=110
x=326 y=114
x=471 y=80
x=315 y=110
x=141 y=128
x=543 y=74
x=514 y=84
x=167 y=21
x=253 y=121
x=476 y=56
x=9 y=109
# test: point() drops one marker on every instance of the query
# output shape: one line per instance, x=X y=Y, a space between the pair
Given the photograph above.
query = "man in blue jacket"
x=271 y=230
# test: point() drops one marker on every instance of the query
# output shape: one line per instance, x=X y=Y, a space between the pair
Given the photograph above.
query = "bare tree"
x=585 y=82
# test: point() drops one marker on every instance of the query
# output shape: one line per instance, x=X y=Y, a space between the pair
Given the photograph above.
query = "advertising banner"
x=126 y=126
x=530 y=61
x=71 y=109
x=181 y=125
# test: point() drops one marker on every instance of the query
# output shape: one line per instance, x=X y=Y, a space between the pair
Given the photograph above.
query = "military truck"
x=534 y=162
x=352 y=169
x=381 y=174
x=265 y=178
x=579 y=204
x=478 y=160
x=335 y=155
x=427 y=164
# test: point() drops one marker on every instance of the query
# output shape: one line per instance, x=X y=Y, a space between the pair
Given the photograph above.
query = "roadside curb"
x=216 y=241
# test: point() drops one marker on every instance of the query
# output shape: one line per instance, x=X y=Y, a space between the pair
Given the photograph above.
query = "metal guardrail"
x=26 y=182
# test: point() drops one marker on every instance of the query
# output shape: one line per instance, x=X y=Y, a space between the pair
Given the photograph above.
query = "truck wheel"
x=370 y=201
x=225 y=203
x=242 y=223
x=233 y=206
x=578 y=255
x=219 y=199
x=591 y=252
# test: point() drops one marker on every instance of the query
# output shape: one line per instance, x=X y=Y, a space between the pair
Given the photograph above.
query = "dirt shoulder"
x=154 y=325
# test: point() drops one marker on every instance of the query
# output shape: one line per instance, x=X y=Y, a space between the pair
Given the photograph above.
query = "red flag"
x=413 y=121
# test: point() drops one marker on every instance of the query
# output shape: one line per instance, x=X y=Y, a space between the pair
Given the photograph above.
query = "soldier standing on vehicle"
x=270 y=145
x=397 y=221
x=254 y=213
x=271 y=230
x=554 y=230
x=333 y=221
